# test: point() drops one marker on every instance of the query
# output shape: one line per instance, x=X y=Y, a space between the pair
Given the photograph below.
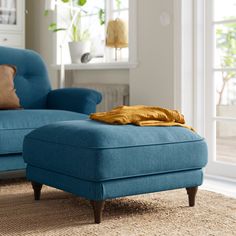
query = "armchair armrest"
x=79 y=100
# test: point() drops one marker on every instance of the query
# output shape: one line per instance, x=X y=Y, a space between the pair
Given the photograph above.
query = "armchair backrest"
x=31 y=82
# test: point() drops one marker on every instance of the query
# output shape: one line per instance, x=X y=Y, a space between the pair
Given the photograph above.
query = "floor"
x=220 y=185
x=163 y=213
x=225 y=152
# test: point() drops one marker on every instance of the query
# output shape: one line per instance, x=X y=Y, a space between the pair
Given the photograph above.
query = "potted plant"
x=80 y=39
x=80 y=43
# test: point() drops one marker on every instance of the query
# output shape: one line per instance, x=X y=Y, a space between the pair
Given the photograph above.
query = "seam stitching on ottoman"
x=119 y=147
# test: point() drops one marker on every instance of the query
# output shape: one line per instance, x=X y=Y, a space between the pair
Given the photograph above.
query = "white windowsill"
x=98 y=66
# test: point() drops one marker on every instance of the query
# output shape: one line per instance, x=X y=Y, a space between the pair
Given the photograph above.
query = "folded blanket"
x=141 y=116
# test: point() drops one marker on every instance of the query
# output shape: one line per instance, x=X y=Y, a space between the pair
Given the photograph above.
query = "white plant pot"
x=77 y=49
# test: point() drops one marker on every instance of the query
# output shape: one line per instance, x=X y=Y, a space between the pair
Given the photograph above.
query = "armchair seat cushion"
x=15 y=124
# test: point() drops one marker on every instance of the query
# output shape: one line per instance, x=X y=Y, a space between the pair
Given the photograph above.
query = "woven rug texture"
x=164 y=213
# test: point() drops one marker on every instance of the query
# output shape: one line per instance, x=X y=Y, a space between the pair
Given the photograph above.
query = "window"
x=8 y=12
x=93 y=25
x=205 y=76
x=221 y=86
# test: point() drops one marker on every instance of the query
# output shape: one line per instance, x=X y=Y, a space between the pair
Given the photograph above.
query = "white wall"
x=151 y=83
x=120 y=76
x=38 y=37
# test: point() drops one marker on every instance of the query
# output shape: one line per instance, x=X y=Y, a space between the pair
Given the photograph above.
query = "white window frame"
x=193 y=32
x=131 y=63
x=215 y=167
x=184 y=58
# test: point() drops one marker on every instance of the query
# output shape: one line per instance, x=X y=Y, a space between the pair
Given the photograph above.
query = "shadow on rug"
x=165 y=213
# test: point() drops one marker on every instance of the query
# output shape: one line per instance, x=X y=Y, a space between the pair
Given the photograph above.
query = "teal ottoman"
x=99 y=161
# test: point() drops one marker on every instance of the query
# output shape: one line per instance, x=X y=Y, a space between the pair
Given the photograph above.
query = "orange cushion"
x=8 y=97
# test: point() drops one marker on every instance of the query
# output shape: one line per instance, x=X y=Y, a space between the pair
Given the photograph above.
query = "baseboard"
x=218 y=184
x=220 y=178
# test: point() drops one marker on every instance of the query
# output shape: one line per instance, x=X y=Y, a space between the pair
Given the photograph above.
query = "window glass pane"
x=224 y=10
x=226 y=141
x=225 y=93
x=93 y=6
x=120 y=4
x=124 y=15
x=92 y=26
x=123 y=54
x=225 y=45
x=8 y=12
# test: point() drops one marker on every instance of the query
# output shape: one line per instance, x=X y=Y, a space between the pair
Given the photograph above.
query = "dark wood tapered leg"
x=98 y=207
x=191 y=195
x=37 y=190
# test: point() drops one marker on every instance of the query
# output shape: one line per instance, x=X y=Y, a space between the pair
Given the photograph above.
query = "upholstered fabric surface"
x=93 y=151
x=41 y=105
x=8 y=97
x=116 y=188
x=74 y=99
x=11 y=163
x=31 y=81
x=15 y=124
x=33 y=86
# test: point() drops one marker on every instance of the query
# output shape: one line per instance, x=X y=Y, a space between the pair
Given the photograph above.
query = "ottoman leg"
x=191 y=195
x=97 y=210
x=37 y=190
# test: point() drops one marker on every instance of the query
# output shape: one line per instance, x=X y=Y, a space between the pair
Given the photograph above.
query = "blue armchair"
x=41 y=106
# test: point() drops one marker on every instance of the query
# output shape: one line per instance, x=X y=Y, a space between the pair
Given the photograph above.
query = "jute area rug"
x=165 y=213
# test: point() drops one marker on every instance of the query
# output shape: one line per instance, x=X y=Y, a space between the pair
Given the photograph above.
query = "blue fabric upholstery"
x=31 y=81
x=15 y=124
x=41 y=104
x=94 y=151
x=74 y=99
x=34 y=89
x=11 y=162
x=116 y=188
x=99 y=161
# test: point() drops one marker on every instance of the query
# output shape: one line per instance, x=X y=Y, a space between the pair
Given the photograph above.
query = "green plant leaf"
x=75 y=33
x=101 y=16
x=65 y=1
x=46 y=12
x=53 y=27
x=59 y=29
x=81 y=2
x=118 y=4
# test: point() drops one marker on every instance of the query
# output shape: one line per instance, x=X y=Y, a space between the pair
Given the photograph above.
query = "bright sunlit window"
x=92 y=27
x=225 y=51
x=221 y=87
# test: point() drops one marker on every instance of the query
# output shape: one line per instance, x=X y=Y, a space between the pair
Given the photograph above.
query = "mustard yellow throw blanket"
x=141 y=116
